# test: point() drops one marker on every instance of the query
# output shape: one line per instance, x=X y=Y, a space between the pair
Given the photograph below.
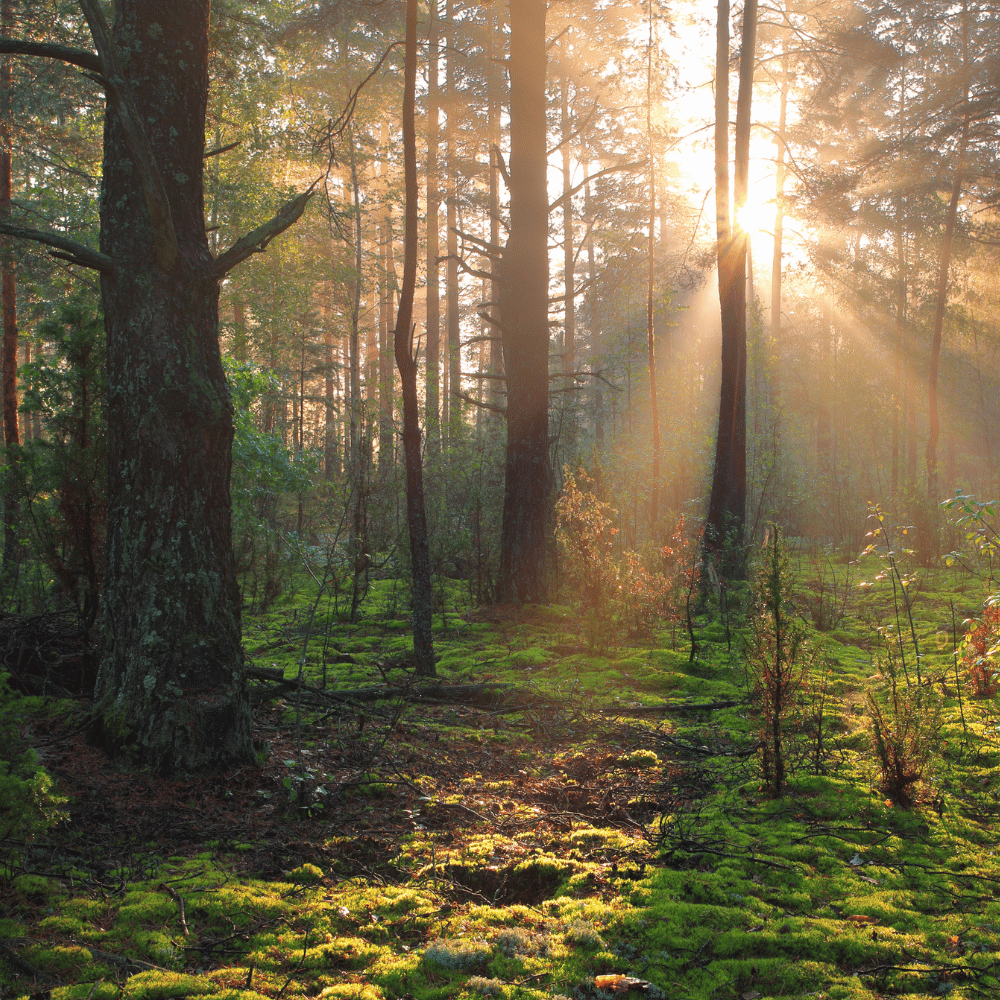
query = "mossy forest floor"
x=538 y=842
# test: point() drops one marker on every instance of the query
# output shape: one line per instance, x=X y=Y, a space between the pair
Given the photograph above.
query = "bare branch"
x=257 y=240
x=75 y=253
x=600 y=173
x=488 y=249
x=502 y=410
x=500 y=163
x=221 y=149
x=120 y=99
x=75 y=57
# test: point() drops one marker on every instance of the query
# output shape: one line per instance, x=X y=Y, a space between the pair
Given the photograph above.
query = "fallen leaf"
x=618 y=983
x=862 y=918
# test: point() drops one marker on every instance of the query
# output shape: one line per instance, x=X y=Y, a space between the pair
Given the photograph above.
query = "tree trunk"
x=654 y=413
x=8 y=353
x=724 y=529
x=354 y=403
x=494 y=86
x=171 y=685
x=420 y=560
x=455 y=111
x=524 y=315
x=432 y=380
x=934 y=429
x=385 y=386
x=329 y=412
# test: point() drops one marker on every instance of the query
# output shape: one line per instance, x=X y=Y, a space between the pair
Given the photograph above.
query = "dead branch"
x=258 y=240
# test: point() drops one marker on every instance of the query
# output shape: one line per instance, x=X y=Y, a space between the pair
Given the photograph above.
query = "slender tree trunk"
x=779 y=205
x=596 y=344
x=524 y=316
x=171 y=686
x=433 y=392
x=934 y=429
x=654 y=413
x=569 y=257
x=241 y=347
x=455 y=110
x=329 y=409
x=385 y=386
x=420 y=560
x=495 y=101
x=8 y=353
x=355 y=405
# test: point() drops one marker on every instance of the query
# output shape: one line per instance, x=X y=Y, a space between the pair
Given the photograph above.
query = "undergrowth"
x=607 y=818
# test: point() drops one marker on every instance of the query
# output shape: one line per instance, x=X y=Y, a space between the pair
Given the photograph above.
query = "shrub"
x=622 y=593
x=979 y=651
x=904 y=722
x=27 y=803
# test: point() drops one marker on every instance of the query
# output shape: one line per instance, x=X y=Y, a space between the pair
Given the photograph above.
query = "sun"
x=756 y=218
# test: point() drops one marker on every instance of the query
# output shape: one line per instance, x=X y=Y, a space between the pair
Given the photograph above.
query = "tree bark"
x=494 y=86
x=171 y=685
x=934 y=422
x=654 y=413
x=8 y=352
x=420 y=560
x=524 y=316
x=724 y=529
x=432 y=380
x=455 y=110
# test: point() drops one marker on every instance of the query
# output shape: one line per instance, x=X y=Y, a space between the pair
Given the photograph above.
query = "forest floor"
x=557 y=822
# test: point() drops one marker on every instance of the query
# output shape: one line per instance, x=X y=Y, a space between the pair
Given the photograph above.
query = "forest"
x=499 y=499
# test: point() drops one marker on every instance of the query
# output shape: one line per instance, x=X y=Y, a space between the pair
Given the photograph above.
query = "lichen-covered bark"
x=171 y=683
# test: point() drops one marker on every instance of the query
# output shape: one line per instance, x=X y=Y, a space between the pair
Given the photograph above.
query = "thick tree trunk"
x=724 y=528
x=524 y=316
x=420 y=560
x=8 y=352
x=171 y=683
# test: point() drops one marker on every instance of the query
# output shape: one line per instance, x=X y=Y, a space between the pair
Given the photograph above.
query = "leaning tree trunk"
x=524 y=316
x=416 y=520
x=171 y=683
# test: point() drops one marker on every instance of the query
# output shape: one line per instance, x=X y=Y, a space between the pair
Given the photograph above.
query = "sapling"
x=775 y=660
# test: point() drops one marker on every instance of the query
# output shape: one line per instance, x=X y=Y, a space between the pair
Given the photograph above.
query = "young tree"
x=171 y=686
x=416 y=519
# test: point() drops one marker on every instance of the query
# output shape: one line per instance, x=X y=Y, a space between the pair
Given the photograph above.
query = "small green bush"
x=27 y=803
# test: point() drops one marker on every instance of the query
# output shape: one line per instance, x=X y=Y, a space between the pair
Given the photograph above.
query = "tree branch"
x=465 y=397
x=600 y=173
x=257 y=240
x=75 y=253
x=120 y=99
x=76 y=57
